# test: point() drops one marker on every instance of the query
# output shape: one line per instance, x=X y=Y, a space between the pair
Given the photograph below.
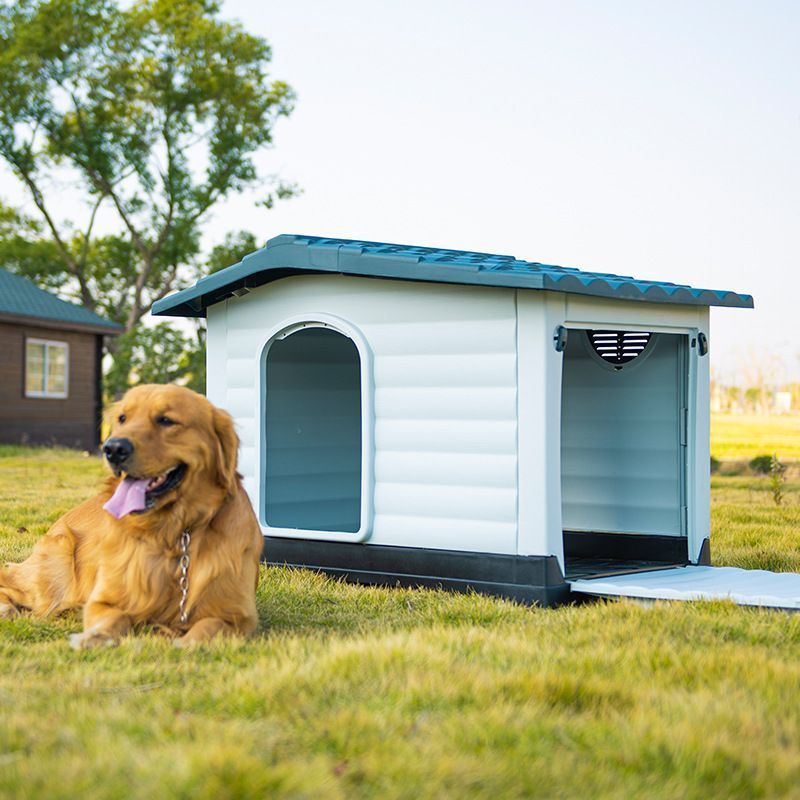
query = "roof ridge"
x=325 y=240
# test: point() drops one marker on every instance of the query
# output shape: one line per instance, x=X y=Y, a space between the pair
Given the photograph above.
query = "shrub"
x=777 y=478
x=715 y=465
x=761 y=465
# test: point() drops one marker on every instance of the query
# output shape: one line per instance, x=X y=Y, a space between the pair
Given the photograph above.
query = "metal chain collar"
x=183 y=581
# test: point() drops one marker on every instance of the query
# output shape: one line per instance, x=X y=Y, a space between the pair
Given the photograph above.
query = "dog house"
x=430 y=417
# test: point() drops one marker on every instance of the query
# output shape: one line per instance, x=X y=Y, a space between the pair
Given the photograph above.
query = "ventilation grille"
x=619 y=347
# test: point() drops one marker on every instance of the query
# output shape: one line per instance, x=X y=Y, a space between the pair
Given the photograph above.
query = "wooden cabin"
x=50 y=367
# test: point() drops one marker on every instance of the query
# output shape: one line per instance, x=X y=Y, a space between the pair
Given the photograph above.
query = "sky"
x=659 y=140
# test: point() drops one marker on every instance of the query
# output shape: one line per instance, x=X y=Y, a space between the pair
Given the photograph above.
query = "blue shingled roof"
x=19 y=297
x=292 y=255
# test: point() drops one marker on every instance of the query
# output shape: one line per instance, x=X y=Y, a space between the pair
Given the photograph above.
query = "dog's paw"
x=87 y=640
x=8 y=611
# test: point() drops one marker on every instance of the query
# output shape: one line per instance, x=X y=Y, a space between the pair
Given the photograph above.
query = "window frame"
x=285 y=329
x=45 y=394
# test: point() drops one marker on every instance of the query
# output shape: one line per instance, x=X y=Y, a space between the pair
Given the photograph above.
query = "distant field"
x=739 y=436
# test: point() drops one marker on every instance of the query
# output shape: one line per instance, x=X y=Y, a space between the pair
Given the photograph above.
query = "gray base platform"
x=527 y=579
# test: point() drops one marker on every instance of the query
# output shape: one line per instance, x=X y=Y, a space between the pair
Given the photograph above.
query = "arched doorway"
x=313 y=437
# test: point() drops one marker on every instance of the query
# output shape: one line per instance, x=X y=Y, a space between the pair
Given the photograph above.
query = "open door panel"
x=745 y=587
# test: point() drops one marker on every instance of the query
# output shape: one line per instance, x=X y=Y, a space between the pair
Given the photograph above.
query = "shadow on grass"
x=302 y=601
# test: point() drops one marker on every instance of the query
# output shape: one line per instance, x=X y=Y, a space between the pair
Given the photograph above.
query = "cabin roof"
x=21 y=298
x=287 y=255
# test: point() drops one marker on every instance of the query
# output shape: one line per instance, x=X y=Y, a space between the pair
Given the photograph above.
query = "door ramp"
x=745 y=587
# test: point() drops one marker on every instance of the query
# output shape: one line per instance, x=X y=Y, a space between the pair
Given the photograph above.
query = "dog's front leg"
x=205 y=629
x=103 y=626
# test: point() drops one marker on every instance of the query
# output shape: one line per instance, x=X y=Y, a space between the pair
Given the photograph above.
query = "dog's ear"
x=227 y=449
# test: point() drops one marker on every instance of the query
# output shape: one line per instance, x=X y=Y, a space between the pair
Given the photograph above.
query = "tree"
x=232 y=250
x=151 y=114
x=161 y=353
x=156 y=354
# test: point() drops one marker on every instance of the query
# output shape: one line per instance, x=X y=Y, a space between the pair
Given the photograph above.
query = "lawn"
x=741 y=436
x=350 y=692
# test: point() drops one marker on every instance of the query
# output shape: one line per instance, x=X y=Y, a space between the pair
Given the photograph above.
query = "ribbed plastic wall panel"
x=444 y=367
x=621 y=445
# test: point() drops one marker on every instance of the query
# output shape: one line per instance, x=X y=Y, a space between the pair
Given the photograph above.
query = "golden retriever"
x=118 y=555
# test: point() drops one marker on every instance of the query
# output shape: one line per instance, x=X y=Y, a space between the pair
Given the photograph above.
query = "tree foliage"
x=152 y=114
x=162 y=353
x=232 y=250
x=158 y=353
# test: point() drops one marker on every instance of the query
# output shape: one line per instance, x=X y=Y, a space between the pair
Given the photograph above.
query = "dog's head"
x=167 y=442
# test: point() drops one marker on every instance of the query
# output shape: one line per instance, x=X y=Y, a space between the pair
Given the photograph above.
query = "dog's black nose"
x=117 y=450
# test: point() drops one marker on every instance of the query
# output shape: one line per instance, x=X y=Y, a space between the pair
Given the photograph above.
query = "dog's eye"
x=121 y=418
x=165 y=421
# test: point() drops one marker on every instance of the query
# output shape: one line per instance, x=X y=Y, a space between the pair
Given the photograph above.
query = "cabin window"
x=46 y=368
x=312 y=467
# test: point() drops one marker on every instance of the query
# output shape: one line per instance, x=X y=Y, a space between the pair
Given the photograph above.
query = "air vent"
x=618 y=347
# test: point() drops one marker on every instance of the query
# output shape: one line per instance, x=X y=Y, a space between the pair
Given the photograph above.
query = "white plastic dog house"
x=435 y=417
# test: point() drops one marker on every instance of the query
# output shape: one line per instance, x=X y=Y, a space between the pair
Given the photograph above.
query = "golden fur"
x=125 y=572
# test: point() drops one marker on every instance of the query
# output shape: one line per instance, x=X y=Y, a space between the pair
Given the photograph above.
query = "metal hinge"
x=684 y=427
x=684 y=520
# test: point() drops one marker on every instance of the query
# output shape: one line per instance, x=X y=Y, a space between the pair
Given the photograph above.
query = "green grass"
x=748 y=530
x=350 y=692
x=742 y=437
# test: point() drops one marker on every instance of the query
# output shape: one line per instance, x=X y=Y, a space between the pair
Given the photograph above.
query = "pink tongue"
x=128 y=497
